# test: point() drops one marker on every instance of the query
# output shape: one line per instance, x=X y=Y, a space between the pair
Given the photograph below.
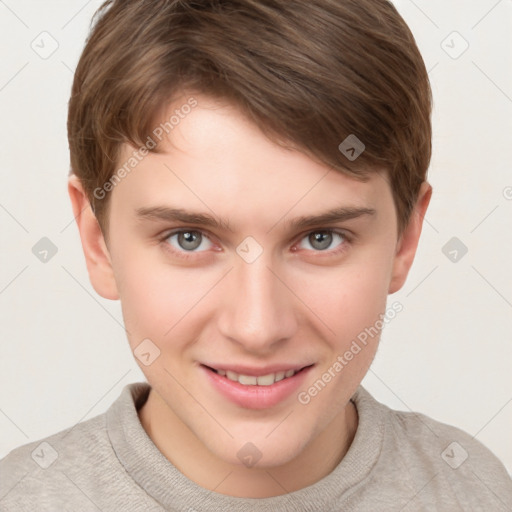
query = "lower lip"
x=256 y=397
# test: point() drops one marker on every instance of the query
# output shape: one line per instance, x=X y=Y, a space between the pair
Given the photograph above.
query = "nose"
x=257 y=308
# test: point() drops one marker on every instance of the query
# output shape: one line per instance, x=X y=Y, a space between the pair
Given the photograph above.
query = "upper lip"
x=257 y=371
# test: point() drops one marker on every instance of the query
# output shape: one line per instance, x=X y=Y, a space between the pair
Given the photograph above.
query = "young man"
x=249 y=180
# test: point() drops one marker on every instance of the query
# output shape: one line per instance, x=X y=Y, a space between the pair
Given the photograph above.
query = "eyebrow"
x=164 y=213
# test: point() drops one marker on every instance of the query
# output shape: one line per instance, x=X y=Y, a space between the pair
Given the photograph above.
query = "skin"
x=295 y=303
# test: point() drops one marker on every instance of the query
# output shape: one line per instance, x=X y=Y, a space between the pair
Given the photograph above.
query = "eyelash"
x=187 y=255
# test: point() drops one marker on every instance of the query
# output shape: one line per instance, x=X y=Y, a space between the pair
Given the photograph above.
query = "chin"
x=261 y=452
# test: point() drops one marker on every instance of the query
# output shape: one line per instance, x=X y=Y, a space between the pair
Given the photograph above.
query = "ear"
x=97 y=256
x=408 y=243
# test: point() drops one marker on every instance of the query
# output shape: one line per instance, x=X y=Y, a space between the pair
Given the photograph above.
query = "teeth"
x=251 y=380
x=232 y=375
x=266 y=380
x=248 y=380
x=279 y=376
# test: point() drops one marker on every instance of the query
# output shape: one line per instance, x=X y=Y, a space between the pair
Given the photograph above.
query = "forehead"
x=216 y=159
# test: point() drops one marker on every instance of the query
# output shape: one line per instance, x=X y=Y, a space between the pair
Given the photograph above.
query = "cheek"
x=348 y=299
x=154 y=296
x=158 y=299
x=351 y=303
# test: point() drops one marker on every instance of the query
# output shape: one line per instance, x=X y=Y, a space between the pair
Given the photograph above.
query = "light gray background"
x=64 y=356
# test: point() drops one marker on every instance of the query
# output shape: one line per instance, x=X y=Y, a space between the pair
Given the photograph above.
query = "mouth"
x=256 y=388
x=257 y=380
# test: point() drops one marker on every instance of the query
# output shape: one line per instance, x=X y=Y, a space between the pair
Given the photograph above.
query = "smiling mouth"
x=252 y=380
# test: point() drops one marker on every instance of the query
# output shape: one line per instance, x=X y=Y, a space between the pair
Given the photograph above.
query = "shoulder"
x=449 y=447
x=77 y=467
x=46 y=466
x=437 y=462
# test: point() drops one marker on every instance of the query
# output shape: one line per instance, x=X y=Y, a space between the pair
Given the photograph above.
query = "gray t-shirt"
x=398 y=461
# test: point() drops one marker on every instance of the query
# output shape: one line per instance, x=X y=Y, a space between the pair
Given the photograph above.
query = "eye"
x=187 y=240
x=323 y=239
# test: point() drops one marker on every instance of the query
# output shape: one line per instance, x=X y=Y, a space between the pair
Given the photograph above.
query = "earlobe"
x=408 y=243
x=97 y=255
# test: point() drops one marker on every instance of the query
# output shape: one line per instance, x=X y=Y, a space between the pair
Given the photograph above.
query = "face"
x=261 y=290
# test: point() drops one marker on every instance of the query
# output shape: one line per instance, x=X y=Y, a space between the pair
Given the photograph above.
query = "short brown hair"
x=310 y=72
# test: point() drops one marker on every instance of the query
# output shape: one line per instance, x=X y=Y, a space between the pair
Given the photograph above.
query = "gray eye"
x=189 y=240
x=320 y=240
